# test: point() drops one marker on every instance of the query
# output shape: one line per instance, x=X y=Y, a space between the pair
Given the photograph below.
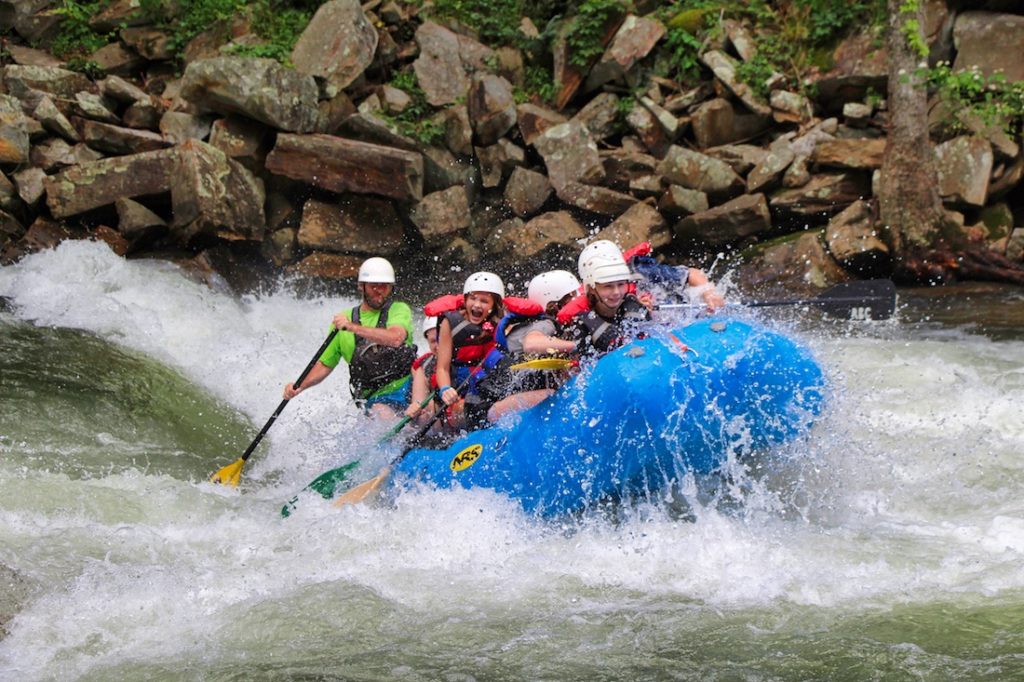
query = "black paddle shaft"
x=872 y=299
x=280 y=407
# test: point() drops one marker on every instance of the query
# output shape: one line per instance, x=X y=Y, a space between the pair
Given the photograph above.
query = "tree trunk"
x=927 y=246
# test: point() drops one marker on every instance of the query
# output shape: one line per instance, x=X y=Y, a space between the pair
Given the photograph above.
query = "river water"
x=888 y=544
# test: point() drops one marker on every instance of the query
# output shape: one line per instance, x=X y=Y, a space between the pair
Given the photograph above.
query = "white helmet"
x=376 y=270
x=602 y=247
x=601 y=270
x=485 y=281
x=551 y=286
x=429 y=323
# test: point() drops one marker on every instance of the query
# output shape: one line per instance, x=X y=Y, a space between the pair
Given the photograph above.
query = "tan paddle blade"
x=364 y=491
x=544 y=363
x=229 y=475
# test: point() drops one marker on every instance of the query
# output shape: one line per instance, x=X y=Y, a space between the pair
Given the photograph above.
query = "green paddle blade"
x=328 y=484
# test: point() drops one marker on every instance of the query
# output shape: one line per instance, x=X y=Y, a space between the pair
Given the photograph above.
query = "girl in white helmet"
x=466 y=334
x=527 y=331
x=614 y=311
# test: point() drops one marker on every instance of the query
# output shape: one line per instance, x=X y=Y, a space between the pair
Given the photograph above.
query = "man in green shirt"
x=375 y=338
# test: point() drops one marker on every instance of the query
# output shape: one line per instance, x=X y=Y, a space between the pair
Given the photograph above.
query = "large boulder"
x=442 y=215
x=353 y=224
x=965 y=166
x=526 y=191
x=823 y=196
x=492 y=108
x=14 y=139
x=742 y=217
x=633 y=41
x=990 y=42
x=260 y=89
x=707 y=174
x=444 y=61
x=570 y=154
x=341 y=165
x=853 y=241
x=797 y=264
x=213 y=194
x=337 y=45
x=640 y=223
x=100 y=183
x=527 y=240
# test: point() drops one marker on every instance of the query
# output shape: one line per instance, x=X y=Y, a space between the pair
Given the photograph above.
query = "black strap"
x=382 y=321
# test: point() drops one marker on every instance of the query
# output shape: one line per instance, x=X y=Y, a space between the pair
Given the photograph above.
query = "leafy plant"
x=416 y=120
x=77 y=37
x=993 y=99
x=585 y=33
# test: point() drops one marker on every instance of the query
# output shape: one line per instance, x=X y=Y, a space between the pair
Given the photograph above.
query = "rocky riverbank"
x=243 y=166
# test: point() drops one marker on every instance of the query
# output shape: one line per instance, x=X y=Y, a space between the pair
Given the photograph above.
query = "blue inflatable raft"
x=637 y=420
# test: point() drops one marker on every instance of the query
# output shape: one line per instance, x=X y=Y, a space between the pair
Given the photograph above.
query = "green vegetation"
x=76 y=37
x=993 y=99
x=593 y=19
x=416 y=120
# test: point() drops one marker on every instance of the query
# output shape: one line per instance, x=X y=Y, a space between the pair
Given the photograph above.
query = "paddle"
x=545 y=364
x=327 y=483
x=870 y=299
x=232 y=473
x=364 y=490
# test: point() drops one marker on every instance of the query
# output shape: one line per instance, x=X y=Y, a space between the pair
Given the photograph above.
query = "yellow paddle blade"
x=363 y=491
x=229 y=475
x=544 y=363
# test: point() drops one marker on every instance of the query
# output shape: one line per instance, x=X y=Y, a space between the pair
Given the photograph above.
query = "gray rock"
x=354 y=224
x=640 y=223
x=113 y=139
x=680 y=202
x=824 y=195
x=526 y=191
x=492 y=108
x=179 y=126
x=797 y=175
x=95 y=107
x=965 y=166
x=20 y=81
x=600 y=116
x=557 y=230
x=51 y=118
x=990 y=42
x=724 y=68
x=742 y=217
x=135 y=221
x=497 y=162
x=458 y=133
x=91 y=185
x=444 y=61
x=570 y=155
x=768 y=174
x=853 y=241
x=701 y=172
x=534 y=120
x=14 y=132
x=337 y=45
x=796 y=265
x=152 y=43
x=740 y=157
x=441 y=215
x=29 y=183
x=633 y=41
x=849 y=153
x=213 y=194
x=126 y=92
x=595 y=198
x=341 y=165
x=260 y=89
x=789 y=107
